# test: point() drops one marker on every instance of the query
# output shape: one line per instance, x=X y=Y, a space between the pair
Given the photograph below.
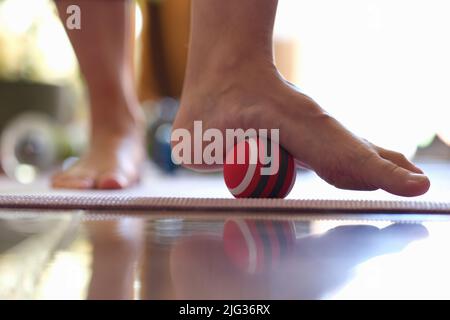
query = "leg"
x=232 y=82
x=104 y=50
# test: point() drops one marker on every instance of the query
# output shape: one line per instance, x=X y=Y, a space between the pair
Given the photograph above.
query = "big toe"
x=392 y=178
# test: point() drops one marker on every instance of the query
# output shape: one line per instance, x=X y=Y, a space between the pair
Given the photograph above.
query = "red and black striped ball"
x=256 y=246
x=245 y=179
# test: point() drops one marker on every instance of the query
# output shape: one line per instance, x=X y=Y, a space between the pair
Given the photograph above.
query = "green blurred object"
x=18 y=97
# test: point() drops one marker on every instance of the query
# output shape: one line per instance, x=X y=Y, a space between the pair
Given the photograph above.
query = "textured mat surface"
x=105 y=202
x=187 y=191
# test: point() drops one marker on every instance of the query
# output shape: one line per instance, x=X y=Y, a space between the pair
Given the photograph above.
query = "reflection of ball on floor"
x=247 y=179
x=256 y=246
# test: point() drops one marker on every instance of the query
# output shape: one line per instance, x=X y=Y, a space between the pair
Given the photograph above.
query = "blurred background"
x=381 y=67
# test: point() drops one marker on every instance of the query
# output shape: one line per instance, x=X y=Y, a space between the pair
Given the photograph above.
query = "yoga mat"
x=105 y=202
x=187 y=192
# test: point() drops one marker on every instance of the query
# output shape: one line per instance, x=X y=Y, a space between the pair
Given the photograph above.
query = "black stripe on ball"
x=262 y=183
x=283 y=169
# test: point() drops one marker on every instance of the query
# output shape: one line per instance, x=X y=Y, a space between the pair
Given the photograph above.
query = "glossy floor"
x=142 y=255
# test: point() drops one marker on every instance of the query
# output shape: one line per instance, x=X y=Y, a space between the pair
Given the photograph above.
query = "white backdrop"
x=382 y=67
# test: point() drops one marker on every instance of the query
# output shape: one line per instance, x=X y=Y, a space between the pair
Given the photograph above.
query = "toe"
x=395 y=179
x=398 y=158
x=67 y=181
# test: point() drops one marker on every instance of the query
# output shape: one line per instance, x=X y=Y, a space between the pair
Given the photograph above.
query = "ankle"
x=116 y=115
x=224 y=69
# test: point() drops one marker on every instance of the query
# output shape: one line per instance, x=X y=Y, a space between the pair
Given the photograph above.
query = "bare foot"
x=104 y=50
x=247 y=93
x=115 y=155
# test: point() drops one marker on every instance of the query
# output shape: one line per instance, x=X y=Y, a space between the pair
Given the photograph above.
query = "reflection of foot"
x=356 y=243
x=314 y=267
x=251 y=94
x=113 y=159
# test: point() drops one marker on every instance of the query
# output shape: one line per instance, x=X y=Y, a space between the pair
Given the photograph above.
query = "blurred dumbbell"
x=158 y=135
x=31 y=143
